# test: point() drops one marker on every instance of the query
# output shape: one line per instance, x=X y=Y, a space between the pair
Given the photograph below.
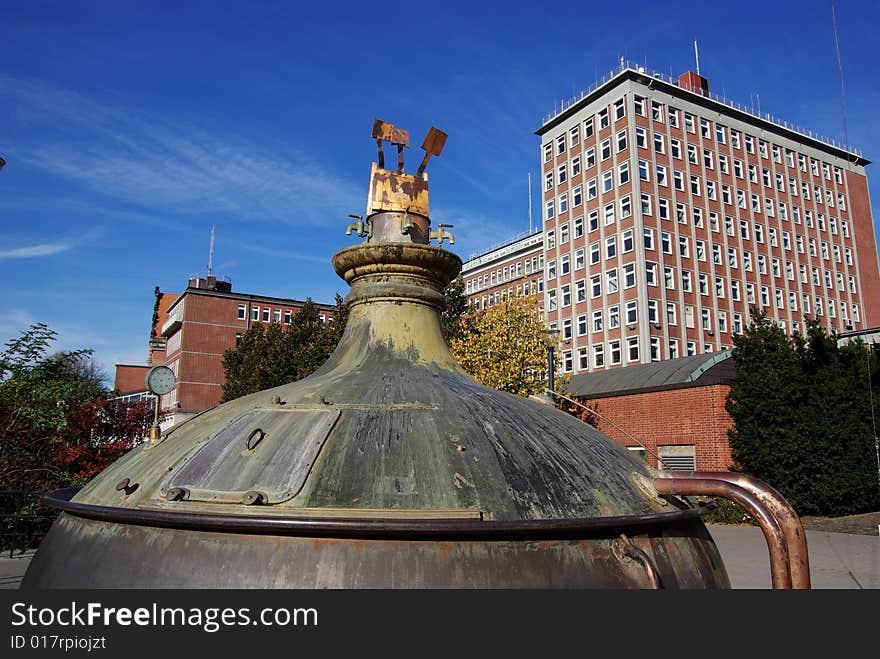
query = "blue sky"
x=131 y=127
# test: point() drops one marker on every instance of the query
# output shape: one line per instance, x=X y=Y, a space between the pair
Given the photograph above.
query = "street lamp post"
x=552 y=335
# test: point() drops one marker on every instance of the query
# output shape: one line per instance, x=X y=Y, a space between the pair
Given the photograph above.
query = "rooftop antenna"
x=211 y=253
x=530 y=203
x=697 y=55
x=840 y=69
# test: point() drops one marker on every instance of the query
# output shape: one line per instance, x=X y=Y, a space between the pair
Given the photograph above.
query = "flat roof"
x=694 y=371
x=669 y=84
x=529 y=241
x=246 y=297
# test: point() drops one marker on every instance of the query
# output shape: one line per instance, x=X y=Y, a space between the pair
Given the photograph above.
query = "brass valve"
x=440 y=235
x=360 y=229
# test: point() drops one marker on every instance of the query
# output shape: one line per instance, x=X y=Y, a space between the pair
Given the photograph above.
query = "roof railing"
x=642 y=69
x=505 y=243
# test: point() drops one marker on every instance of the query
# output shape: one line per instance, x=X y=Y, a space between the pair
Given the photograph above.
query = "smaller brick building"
x=130 y=379
x=671 y=412
x=190 y=333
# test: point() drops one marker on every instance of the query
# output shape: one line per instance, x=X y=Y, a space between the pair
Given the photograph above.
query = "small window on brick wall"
x=639 y=452
x=677 y=458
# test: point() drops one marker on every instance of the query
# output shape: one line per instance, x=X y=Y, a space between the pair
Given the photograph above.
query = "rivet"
x=253 y=498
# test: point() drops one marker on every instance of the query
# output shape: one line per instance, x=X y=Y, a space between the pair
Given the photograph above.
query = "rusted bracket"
x=433 y=145
x=387 y=132
x=782 y=528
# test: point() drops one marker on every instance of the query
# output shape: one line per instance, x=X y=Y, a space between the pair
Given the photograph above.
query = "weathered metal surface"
x=425 y=478
x=433 y=145
x=624 y=549
x=157 y=557
x=399 y=227
x=386 y=131
x=266 y=451
x=397 y=191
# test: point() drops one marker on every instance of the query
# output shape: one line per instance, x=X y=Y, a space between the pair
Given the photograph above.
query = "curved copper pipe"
x=628 y=549
x=695 y=485
x=783 y=512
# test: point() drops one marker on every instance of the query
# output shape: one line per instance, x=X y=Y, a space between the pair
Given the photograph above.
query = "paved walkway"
x=12 y=569
x=837 y=560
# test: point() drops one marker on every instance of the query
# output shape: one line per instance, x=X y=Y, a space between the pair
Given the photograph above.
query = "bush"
x=727 y=512
x=801 y=407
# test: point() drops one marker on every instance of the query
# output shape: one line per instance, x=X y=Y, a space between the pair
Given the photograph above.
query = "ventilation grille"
x=677 y=458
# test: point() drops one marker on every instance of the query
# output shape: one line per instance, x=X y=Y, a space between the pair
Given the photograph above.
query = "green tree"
x=56 y=425
x=504 y=346
x=801 y=408
x=456 y=306
x=269 y=355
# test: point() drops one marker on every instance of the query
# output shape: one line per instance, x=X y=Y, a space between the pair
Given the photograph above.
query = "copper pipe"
x=625 y=546
x=780 y=564
x=783 y=512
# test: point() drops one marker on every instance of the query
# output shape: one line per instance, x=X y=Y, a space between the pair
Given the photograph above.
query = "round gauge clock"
x=160 y=380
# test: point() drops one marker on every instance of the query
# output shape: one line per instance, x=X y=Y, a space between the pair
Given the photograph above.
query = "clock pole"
x=155 y=431
x=159 y=380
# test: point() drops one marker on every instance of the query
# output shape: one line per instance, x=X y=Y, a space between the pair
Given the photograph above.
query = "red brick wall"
x=676 y=417
x=165 y=301
x=866 y=247
x=210 y=324
x=130 y=379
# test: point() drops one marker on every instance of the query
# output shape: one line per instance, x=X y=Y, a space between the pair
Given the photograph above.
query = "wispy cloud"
x=475 y=232
x=284 y=253
x=150 y=162
x=44 y=249
x=64 y=243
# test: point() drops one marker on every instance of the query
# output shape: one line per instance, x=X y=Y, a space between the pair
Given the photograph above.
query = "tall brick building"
x=192 y=331
x=668 y=212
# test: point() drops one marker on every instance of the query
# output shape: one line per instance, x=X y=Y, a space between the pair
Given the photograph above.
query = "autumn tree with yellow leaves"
x=504 y=346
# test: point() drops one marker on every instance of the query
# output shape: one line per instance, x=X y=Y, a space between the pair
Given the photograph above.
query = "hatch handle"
x=253 y=440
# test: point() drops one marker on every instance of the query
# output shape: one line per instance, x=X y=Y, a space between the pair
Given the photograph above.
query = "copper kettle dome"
x=388 y=467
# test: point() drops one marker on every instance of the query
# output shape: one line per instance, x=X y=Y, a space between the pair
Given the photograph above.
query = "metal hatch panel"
x=268 y=452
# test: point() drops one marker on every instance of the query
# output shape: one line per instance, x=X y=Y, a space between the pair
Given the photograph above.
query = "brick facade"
x=668 y=212
x=514 y=269
x=693 y=416
x=130 y=378
x=193 y=331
